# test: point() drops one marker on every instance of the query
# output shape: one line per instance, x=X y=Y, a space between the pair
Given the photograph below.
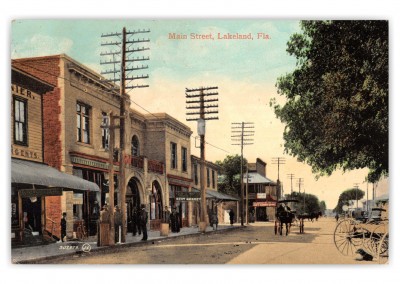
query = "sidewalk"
x=31 y=254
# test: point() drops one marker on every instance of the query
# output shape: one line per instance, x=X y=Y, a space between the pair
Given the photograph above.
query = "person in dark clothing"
x=134 y=222
x=175 y=228
x=143 y=221
x=231 y=216
x=138 y=226
x=63 y=226
x=117 y=223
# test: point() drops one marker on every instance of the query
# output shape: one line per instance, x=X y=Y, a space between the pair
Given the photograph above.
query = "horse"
x=285 y=217
x=314 y=215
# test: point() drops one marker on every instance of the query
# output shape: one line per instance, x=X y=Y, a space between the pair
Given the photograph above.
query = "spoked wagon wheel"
x=348 y=237
x=383 y=249
x=372 y=239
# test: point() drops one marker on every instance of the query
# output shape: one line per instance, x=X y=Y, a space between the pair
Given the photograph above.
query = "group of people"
x=173 y=219
x=139 y=220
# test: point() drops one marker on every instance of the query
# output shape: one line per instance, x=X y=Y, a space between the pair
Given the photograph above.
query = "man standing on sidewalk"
x=63 y=226
x=143 y=221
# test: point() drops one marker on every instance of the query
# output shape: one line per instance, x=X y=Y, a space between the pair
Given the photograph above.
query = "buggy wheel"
x=383 y=249
x=347 y=237
x=371 y=239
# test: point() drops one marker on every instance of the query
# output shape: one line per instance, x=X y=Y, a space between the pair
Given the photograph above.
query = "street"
x=254 y=244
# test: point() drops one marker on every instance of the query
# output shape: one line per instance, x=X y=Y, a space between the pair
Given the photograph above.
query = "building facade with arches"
x=156 y=150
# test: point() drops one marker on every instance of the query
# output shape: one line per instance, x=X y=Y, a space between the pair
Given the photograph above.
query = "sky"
x=245 y=72
x=244 y=88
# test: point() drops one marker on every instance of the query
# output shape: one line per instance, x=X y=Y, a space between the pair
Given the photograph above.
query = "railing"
x=135 y=161
x=52 y=226
x=155 y=166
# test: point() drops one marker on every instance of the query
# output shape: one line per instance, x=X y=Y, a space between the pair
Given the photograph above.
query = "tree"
x=308 y=203
x=229 y=181
x=322 y=207
x=336 y=110
x=346 y=196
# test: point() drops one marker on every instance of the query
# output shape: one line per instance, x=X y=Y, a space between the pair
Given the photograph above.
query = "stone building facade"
x=156 y=152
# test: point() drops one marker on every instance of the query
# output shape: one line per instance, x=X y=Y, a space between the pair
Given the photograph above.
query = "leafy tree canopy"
x=346 y=196
x=308 y=203
x=229 y=181
x=336 y=110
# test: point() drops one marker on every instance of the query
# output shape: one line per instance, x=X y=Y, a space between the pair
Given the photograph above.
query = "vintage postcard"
x=199 y=141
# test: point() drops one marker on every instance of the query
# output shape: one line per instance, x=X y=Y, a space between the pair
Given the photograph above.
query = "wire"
x=108 y=91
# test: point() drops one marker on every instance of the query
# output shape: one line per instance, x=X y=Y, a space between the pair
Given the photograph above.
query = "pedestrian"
x=134 y=221
x=175 y=228
x=138 y=226
x=231 y=216
x=63 y=226
x=143 y=221
x=337 y=216
x=214 y=220
x=117 y=223
x=167 y=216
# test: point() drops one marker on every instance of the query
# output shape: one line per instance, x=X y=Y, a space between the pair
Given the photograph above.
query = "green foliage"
x=336 y=112
x=229 y=181
x=346 y=196
x=308 y=203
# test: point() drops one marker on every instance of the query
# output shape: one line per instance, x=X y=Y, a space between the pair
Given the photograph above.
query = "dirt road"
x=255 y=244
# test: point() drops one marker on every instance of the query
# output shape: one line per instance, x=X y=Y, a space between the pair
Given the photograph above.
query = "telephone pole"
x=356 y=188
x=291 y=176
x=240 y=130
x=195 y=100
x=278 y=161
x=125 y=78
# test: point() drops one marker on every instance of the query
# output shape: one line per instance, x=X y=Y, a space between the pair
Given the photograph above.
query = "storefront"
x=179 y=186
x=35 y=216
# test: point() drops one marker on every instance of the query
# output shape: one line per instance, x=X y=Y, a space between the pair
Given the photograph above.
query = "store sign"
x=187 y=196
x=40 y=192
x=264 y=204
x=261 y=195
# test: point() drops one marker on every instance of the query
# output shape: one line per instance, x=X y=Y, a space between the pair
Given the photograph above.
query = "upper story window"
x=184 y=159
x=83 y=123
x=105 y=135
x=135 y=146
x=196 y=177
x=208 y=177
x=213 y=178
x=174 y=157
x=20 y=122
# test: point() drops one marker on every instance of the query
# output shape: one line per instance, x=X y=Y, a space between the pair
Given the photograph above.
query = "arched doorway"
x=133 y=201
x=156 y=206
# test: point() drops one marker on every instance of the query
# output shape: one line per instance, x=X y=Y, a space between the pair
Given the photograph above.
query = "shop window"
x=135 y=146
x=156 y=202
x=20 y=122
x=105 y=133
x=174 y=157
x=83 y=123
x=184 y=159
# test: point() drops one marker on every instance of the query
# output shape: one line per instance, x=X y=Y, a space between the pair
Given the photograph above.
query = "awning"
x=256 y=178
x=213 y=194
x=26 y=172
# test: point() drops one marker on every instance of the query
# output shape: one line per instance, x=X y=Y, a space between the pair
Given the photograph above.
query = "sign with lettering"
x=187 y=196
x=41 y=192
x=264 y=204
x=261 y=195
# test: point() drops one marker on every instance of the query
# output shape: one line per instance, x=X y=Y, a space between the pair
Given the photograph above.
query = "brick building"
x=157 y=146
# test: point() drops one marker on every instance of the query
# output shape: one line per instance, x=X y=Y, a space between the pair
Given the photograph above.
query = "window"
x=105 y=135
x=173 y=156
x=213 y=178
x=135 y=147
x=196 y=178
x=184 y=159
x=208 y=177
x=82 y=123
x=20 y=122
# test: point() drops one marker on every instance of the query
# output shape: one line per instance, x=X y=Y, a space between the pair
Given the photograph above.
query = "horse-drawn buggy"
x=369 y=237
x=285 y=215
